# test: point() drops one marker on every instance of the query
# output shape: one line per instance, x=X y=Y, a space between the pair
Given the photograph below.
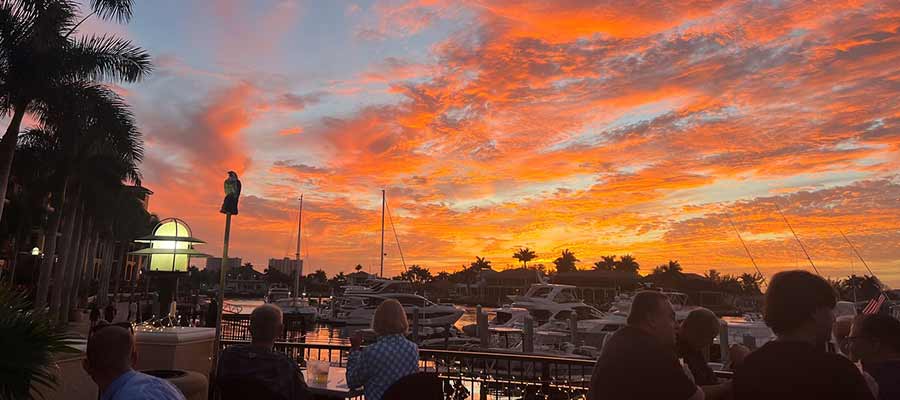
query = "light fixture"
x=35 y=251
x=171 y=247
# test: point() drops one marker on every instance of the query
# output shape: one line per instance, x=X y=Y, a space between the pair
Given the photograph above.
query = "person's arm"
x=358 y=371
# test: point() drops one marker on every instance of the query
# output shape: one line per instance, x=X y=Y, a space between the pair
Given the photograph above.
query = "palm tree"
x=94 y=134
x=31 y=341
x=524 y=255
x=713 y=276
x=358 y=267
x=566 y=262
x=750 y=283
x=40 y=61
x=628 y=264
x=480 y=263
x=606 y=263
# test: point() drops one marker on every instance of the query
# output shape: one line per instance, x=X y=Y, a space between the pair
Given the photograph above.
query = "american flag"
x=875 y=304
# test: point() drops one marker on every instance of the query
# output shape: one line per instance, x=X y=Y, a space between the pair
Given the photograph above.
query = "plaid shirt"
x=378 y=366
x=275 y=370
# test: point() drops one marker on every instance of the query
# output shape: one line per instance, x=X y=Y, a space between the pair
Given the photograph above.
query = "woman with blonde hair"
x=392 y=356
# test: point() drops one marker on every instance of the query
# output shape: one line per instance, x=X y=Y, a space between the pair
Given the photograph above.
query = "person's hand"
x=356 y=340
x=737 y=353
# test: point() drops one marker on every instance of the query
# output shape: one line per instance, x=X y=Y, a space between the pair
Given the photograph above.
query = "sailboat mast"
x=383 y=199
x=298 y=268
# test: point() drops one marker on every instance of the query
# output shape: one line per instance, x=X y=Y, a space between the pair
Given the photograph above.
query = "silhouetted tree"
x=627 y=263
x=566 y=262
x=416 y=274
x=524 y=255
x=480 y=263
x=606 y=263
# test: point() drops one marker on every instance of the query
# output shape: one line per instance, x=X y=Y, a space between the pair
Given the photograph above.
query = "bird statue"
x=232 y=193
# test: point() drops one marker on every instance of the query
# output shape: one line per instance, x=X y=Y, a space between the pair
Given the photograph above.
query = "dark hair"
x=644 y=304
x=882 y=328
x=793 y=297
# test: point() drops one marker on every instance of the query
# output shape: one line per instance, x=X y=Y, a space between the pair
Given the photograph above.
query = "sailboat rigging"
x=747 y=249
x=802 y=247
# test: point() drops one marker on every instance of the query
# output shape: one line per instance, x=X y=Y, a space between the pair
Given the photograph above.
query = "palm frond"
x=120 y=10
x=107 y=58
x=30 y=342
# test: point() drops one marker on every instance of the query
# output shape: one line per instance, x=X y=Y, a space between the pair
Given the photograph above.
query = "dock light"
x=35 y=251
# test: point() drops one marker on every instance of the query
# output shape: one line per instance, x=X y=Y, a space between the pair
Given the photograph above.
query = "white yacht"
x=379 y=286
x=545 y=301
x=359 y=309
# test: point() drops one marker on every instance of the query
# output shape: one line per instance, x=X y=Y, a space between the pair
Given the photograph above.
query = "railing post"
x=528 y=335
x=415 y=325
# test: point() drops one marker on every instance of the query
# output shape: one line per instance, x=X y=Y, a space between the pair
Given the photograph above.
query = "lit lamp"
x=170 y=252
x=36 y=251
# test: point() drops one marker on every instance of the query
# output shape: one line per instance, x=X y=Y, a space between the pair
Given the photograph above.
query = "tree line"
x=74 y=177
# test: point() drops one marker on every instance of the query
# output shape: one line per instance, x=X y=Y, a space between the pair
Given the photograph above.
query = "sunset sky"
x=494 y=124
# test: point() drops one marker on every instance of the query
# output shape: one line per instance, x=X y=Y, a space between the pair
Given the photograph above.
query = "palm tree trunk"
x=70 y=216
x=71 y=263
x=103 y=291
x=8 y=151
x=87 y=267
x=40 y=299
x=120 y=267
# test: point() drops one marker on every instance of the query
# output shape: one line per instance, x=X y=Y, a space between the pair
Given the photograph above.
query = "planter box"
x=189 y=349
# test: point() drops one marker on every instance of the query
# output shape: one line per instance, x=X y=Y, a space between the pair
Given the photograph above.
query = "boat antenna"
x=396 y=238
x=802 y=247
x=860 y=257
x=383 y=204
x=746 y=249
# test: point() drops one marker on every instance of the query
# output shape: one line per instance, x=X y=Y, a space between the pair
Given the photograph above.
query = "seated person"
x=799 y=307
x=257 y=362
x=875 y=342
x=695 y=336
x=392 y=356
x=639 y=361
x=111 y=355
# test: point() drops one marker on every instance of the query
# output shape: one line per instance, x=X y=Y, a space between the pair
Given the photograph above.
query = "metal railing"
x=474 y=375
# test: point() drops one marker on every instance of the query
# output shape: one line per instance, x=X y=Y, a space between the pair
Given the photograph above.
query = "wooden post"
x=483 y=334
x=221 y=296
x=528 y=335
x=573 y=326
x=723 y=341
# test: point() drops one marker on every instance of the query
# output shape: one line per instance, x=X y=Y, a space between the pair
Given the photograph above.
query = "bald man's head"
x=110 y=349
x=266 y=323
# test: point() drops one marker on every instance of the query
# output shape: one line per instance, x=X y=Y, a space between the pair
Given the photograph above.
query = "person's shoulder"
x=151 y=387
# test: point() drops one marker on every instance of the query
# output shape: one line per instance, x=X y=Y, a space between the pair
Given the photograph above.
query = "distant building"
x=214 y=263
x=286 y=265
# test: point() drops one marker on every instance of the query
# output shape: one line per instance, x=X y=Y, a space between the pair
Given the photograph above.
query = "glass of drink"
x=318 y=371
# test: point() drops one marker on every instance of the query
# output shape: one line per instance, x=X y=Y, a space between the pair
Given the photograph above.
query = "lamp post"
x=170 y=251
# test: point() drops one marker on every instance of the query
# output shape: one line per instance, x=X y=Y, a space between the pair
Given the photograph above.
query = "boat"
x=544 y=301
x=298 y=306
x=277 y=292
x=679 y=301
x=379 y=286
x=360 y=309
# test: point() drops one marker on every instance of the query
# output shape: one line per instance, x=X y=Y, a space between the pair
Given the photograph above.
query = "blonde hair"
x=390 y=319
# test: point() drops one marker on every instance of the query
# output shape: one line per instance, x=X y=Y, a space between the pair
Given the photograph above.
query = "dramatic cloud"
x=601 y=128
